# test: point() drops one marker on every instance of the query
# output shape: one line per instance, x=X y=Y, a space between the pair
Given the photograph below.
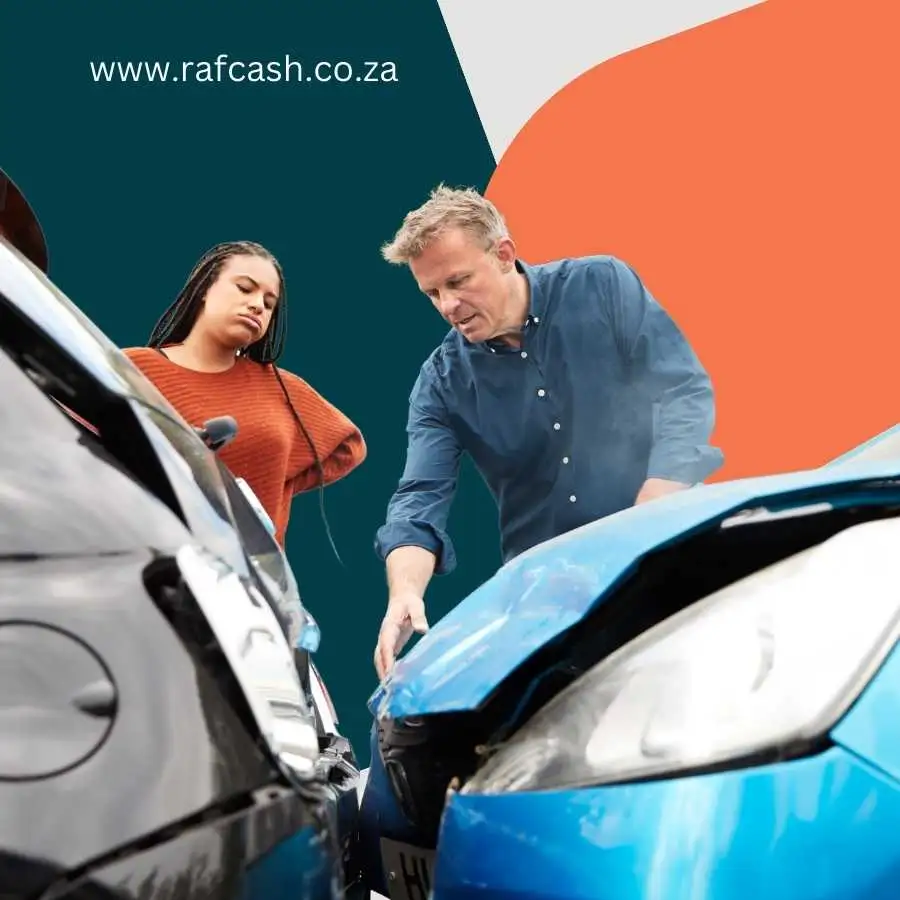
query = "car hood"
x=545 y=591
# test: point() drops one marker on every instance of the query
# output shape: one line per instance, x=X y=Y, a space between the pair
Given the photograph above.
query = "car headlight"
x=302 y=629
x=260 y=657
x=306 y=634
x=774 y=658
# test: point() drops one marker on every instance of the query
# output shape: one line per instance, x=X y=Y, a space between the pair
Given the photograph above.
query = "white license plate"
x=407 y=870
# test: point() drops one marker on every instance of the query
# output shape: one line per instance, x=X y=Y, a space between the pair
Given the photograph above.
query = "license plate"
x=407 y=870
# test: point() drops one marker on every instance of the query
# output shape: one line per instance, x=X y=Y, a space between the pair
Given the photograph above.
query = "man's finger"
x=387 y=659
x=383 y=659
x=387 y=641
x=379 y=653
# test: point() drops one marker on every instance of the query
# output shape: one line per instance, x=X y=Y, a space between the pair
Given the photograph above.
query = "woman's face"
x=239 y=305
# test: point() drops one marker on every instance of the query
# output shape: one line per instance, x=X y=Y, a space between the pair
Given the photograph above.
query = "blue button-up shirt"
x=603 y=393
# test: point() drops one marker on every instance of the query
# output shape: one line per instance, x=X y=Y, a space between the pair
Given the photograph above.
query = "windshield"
x=61 y=493
x=35 y=309
x=36 y=298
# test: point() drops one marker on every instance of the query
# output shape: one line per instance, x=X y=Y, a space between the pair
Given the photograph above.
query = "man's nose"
x=449 y=304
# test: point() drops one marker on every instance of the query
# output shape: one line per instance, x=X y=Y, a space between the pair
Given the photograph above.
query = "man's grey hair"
x=446 y=208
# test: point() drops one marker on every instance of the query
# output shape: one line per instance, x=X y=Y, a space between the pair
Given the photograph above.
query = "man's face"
x=468 y=286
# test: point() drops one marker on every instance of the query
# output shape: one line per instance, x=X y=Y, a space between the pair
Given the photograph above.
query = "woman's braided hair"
x=177 y=322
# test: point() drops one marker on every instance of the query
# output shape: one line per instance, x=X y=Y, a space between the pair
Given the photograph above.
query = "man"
x=570 y=387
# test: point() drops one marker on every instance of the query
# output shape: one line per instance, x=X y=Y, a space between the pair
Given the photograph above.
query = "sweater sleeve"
x=338 y=441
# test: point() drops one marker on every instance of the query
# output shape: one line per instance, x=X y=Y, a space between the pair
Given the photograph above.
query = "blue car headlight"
x=773 y=659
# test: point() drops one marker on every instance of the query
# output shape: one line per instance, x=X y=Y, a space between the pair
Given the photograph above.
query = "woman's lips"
x=255 y=324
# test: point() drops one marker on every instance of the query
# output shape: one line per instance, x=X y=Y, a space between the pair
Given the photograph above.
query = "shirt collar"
x=536 y=306
x=537 y=302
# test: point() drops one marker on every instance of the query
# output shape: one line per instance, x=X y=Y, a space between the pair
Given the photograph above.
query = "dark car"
x=161 y=735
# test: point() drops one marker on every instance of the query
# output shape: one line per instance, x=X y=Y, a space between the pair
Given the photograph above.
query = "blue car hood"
x=542 y=593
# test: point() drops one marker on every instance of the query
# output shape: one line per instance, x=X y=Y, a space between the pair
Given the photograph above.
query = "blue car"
x=694 y=699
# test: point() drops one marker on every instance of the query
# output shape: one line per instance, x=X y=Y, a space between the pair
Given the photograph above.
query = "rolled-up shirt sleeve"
x=418 y=511
x=662 y=360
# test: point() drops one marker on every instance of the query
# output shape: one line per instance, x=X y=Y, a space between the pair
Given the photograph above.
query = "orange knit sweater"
x=269 y=452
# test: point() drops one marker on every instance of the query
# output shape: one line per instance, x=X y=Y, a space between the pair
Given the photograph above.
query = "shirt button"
x=524 y=355
x=572 y=498
x=565 y=460
x=541 y=392
x=556 y=426
x=537 y=319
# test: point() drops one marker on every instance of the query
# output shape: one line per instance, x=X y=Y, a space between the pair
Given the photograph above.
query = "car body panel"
x=138 y=778
x=781 y=830
x=540 y=594
x=274 y=849
x=871 y=728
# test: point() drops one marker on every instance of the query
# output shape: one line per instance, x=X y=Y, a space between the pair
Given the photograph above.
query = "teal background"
x=132 y=182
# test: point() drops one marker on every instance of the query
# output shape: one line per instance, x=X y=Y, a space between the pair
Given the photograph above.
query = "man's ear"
x=505 y=250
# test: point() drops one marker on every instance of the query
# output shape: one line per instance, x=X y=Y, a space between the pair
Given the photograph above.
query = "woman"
x=213 y=354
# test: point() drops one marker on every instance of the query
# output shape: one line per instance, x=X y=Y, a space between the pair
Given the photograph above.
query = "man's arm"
x=662 y=361
x=409 y=570
x=413 y=541
x=418 y=511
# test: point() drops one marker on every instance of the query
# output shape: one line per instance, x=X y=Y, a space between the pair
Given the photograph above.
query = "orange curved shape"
x=748 y=170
